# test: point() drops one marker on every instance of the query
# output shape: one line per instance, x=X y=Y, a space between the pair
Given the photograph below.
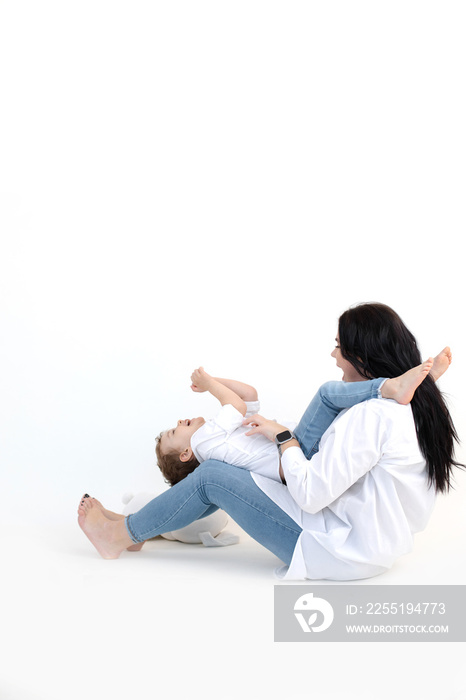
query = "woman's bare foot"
x=110 y=515
x=441 y=363
x=402 y=388
x=109 y=537
x=135 y=547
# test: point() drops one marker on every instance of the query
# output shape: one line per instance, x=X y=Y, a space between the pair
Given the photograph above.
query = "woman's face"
x=350 y=373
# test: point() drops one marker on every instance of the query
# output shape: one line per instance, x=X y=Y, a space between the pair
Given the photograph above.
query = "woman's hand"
x=263 y=426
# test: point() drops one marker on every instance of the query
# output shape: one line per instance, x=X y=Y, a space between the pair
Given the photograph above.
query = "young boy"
x=181 y=449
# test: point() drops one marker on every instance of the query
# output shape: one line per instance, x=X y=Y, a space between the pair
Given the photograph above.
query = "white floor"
x=324 y=142
x=187 y=621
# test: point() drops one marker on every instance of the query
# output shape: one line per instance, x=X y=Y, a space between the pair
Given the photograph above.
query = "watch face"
x=284 y=436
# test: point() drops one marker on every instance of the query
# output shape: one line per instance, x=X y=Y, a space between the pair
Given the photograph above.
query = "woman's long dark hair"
x=374 y=339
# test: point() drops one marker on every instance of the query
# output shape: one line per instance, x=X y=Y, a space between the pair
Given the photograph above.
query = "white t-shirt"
x=360 y=499
x=224 y=438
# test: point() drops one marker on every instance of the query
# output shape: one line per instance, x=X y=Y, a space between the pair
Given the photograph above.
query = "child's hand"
x=200 y=380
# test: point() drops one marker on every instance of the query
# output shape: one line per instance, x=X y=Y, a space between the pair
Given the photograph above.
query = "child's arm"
x=226 y=394
x=244 y=391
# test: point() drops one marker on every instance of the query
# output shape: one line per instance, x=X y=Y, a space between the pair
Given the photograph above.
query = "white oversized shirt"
x=224 y=438
x=360 y=499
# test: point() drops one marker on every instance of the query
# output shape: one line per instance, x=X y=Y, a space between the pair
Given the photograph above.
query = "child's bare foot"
x=441 y=363
x=402 y=388
x=109 y=537
x=110 y=515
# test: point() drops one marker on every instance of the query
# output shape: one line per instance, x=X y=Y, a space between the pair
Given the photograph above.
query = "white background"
x=187 y=183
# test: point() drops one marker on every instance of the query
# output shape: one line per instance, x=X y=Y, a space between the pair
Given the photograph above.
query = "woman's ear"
x=186 y=455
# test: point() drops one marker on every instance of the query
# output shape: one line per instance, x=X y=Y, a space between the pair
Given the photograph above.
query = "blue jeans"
x=331 y=398
x=215 y=484
x=218 y=485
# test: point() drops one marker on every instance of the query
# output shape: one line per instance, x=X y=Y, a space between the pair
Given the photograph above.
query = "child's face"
x=178 y=439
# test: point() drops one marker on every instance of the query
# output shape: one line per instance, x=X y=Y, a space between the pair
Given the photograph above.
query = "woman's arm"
x=350 y=451
x=269 y=429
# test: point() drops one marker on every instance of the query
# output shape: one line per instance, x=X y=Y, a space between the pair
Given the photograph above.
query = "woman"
x=346 y=512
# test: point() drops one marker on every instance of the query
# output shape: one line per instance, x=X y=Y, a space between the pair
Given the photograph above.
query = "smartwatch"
x=284 y=436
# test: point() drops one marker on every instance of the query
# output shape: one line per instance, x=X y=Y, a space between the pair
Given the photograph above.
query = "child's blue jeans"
x=218 y=485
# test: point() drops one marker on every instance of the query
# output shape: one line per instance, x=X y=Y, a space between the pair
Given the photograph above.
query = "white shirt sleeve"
x=252 y=407
x=351 y=447
x=215 y=431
